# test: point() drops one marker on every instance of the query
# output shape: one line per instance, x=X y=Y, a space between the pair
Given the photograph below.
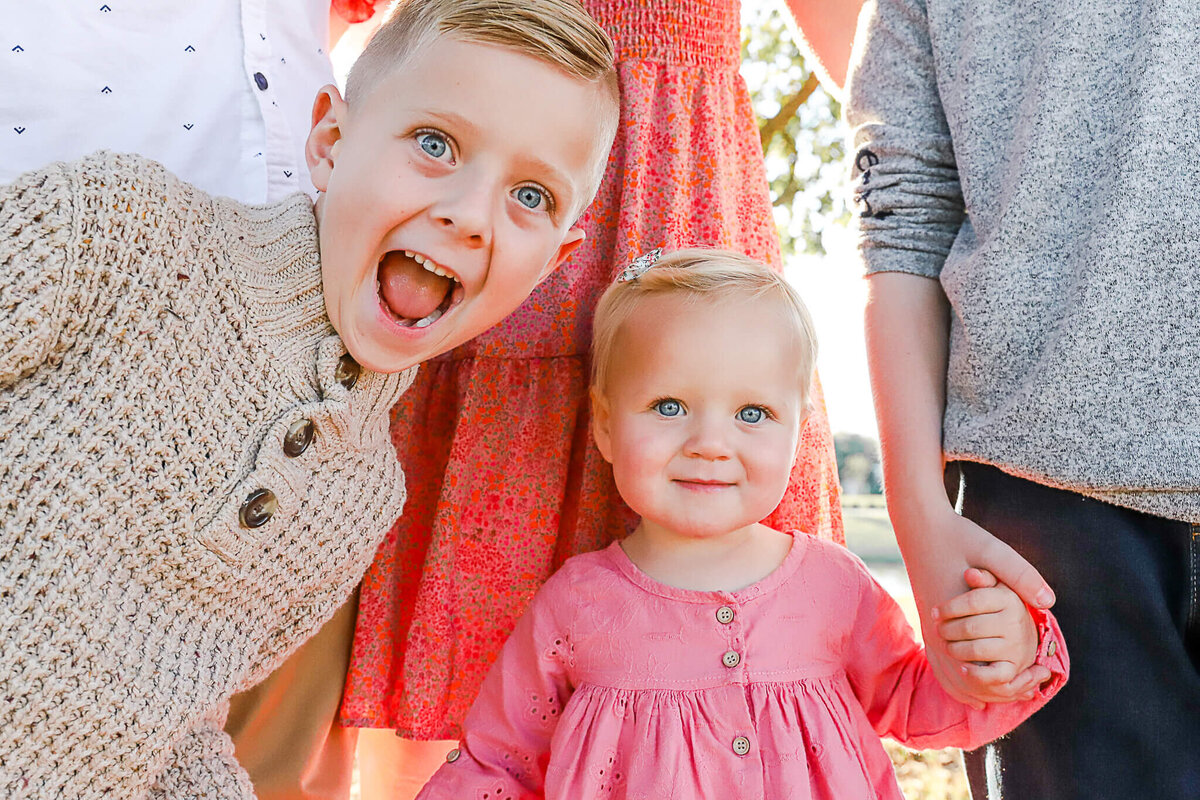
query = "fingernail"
x=935 y=615
x=1045 y=598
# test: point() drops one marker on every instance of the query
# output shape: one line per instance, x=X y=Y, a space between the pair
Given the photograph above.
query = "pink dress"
x=616 y=686
x=504 y=483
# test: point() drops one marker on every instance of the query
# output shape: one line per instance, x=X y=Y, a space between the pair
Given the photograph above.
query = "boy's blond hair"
x=708 y=274
x=556 y=32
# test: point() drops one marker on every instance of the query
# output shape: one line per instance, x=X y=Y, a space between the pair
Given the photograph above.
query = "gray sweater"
x=1035 y=158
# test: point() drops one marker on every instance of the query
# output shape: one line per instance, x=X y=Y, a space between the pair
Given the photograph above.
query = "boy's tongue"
x=410 y=290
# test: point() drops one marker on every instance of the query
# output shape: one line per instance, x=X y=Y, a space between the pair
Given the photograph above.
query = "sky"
x=835 y=291
x=832 y=285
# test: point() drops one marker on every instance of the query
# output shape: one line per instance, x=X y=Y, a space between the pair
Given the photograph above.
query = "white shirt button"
x=741 y=745
x=731 y=659
x=725 y=615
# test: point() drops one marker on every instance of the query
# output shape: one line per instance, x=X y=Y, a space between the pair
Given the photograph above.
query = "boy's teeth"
x=430 y=265
x=427 y=321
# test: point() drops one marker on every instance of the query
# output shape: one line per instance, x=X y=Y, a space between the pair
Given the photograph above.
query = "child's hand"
x=990 y=631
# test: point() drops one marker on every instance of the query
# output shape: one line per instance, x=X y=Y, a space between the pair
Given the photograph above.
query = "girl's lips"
x=703 y=485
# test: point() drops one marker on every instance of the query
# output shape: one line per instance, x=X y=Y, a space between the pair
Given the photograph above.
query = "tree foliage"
x=859 y=468
x=801 y=128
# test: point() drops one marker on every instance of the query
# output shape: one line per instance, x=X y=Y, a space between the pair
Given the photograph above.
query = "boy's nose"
x=467 y=212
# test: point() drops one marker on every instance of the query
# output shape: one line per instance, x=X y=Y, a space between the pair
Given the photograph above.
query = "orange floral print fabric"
x=504 y=483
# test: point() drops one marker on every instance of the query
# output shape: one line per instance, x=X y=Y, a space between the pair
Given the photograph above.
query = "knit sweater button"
x=347 y=371
x=298 y=437
x=731 y=659
x=259 y=507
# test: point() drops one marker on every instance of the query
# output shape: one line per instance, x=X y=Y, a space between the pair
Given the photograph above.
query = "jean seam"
x=1192 y=625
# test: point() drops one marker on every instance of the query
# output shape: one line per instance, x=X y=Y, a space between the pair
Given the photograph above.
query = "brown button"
x=731 y=659
x=453 y=755
x=259 y=507
x=347 y=371
x=298 y=437
x=1050 y=648
x=724 y=615
x=741 y=745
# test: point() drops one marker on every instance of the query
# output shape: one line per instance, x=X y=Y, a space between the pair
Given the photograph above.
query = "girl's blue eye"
x=751 y=414
x=530 y=197
x=668 y=408
x=434 y=144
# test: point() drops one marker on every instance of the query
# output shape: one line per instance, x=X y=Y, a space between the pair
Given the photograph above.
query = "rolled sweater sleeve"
x=37 y=282
x=203 y=765
x=902 y=698
x=905 y=182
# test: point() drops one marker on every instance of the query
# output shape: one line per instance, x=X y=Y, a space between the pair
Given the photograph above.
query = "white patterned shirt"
x=219 y=91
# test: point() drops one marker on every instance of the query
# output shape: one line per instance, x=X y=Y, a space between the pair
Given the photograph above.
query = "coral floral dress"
x=504 y=483
x=614 y=685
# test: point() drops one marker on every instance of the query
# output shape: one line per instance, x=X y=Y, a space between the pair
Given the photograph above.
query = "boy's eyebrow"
x=555 y=176
x=558 y=181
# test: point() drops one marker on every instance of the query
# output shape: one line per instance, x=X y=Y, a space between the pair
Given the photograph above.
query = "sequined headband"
x=639 y=265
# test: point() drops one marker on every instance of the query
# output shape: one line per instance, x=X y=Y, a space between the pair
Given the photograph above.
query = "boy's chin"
x=387 y=360
x=378 y=358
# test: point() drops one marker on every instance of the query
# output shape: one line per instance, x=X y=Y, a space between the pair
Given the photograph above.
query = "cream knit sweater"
x=156 y=347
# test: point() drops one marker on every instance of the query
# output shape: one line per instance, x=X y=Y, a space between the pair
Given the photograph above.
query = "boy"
x=194 y=393
x=1026 y=221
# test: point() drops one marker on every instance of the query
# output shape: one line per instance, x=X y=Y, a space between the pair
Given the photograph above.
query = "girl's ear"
x=600 y=424
x=320 y=150
x=804 y=417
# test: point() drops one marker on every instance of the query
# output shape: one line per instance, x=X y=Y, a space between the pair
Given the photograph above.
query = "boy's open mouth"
x=415 y=290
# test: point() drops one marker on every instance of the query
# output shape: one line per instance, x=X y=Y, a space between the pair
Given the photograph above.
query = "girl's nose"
x=707 y=439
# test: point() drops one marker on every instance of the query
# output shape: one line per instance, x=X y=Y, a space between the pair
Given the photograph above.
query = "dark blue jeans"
x=1127 y=724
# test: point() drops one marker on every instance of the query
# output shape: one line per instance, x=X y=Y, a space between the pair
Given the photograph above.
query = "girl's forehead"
x=675 y=334
x=692 y=320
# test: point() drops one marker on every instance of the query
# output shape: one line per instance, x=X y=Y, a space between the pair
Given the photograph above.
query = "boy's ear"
x=600 y=425
x=328 y=116
x=572 y=240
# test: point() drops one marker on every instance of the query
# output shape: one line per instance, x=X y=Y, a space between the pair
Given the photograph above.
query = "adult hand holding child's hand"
x=992 y=633
x=950 y=546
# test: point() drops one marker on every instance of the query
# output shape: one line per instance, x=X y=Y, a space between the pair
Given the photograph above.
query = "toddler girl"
x=707 y=655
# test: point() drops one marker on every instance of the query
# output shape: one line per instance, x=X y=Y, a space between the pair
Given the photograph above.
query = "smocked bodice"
x=699 y=32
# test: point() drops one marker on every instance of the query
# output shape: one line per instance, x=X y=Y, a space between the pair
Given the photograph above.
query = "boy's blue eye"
x=751 y=414
x=668 y=408
x=434 y=144
x=530 y=197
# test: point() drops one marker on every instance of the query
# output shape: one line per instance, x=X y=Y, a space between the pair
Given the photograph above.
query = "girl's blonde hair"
x=707 y=274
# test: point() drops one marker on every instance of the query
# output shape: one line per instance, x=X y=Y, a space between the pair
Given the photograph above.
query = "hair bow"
x=639 y=265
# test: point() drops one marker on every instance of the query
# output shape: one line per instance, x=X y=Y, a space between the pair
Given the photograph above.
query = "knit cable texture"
x=156 y=345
